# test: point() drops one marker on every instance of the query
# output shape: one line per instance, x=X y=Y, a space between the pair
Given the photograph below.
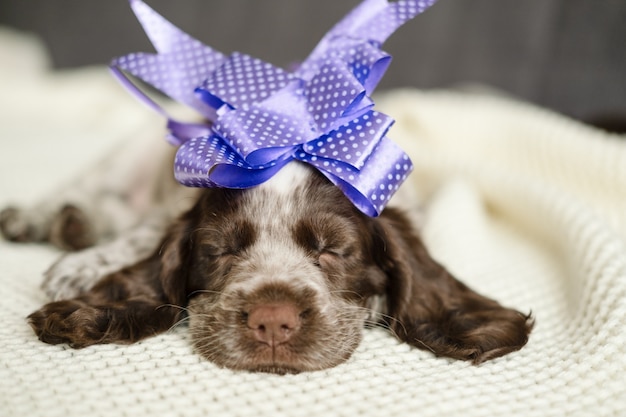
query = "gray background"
x=569 y=55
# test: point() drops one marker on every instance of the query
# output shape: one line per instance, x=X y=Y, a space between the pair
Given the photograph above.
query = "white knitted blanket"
x=522 y=204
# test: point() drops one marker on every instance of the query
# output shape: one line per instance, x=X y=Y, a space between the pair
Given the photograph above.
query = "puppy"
x=278 y=278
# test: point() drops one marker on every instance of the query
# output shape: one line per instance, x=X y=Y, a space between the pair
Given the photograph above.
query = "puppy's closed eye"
x=226 y=237
x=326 y=235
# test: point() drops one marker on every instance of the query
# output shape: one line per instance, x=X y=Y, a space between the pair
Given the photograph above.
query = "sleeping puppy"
x=279 y=278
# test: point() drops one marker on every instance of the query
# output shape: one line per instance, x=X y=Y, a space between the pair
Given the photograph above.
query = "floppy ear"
x=430 y=309
x=128 y=305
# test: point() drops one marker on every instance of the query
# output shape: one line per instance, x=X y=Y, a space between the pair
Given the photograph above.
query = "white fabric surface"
x=522 y=204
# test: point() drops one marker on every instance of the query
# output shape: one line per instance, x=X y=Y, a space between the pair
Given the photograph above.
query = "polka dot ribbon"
x=262 y=117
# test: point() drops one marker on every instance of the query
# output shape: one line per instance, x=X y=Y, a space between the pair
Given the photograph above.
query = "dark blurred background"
x=569 y=55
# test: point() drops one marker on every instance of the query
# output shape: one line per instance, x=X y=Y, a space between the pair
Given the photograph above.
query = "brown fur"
x=204 y=261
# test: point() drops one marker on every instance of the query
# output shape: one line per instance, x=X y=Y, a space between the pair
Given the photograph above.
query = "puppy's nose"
x=274 y=324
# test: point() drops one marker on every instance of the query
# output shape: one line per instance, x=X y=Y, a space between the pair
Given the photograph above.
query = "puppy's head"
x=282 y=277
x=278 y=277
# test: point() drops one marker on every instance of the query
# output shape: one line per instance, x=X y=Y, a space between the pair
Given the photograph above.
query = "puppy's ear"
x=430 y=309
x=174 y=259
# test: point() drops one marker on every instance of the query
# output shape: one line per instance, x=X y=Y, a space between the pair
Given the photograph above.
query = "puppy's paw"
x=75 y=273
x=71 y=229
x=68 y=228
x=71 y=321
x=16 y=226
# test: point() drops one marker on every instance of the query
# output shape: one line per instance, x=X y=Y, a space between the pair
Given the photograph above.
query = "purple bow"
x=263 y=117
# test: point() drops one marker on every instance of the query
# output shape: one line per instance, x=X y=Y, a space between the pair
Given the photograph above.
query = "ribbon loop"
x=354 y=142
x=335 y=96
x=263 y=117
x=243 y=80
x=176 y=74
x=260 y=132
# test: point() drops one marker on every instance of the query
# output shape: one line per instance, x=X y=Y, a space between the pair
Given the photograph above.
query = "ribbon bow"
x=263 y=117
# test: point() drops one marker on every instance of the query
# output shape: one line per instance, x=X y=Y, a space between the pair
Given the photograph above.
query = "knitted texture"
x=522 y=204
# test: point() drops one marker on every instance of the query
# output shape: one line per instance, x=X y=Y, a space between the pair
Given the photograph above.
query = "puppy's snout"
x=274 y=324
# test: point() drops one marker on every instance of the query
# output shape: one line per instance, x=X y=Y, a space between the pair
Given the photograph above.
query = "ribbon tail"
x=383 y=24
x=181 y=65
x=180 y=132
x=351 y=22
x=372 y=21
x=136 y=91
x=165 y=36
